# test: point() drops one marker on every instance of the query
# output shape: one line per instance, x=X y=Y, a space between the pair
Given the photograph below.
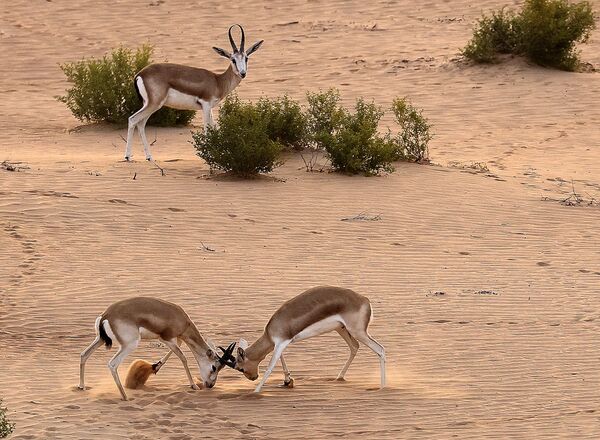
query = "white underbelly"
x=318 y=328
x=147 y=334
x=182 y=101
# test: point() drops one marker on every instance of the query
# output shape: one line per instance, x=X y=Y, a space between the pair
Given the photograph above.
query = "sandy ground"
x=510 y=350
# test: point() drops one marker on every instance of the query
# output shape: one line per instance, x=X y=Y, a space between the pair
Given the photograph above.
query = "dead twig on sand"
x=311 y=163
x=13 y=166
x=575 y=199
x=362 y=217
x=162 y=170
x=206 y=248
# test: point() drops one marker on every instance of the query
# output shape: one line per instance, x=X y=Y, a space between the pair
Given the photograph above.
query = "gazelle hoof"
x=149 y=158
x=289 y=383
x=340 y=379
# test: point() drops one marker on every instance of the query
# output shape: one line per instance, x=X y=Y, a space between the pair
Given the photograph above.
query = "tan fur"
x=201 y=83
x=163 y=318
x=300 y=312
x=138 y=374
x=315 y=305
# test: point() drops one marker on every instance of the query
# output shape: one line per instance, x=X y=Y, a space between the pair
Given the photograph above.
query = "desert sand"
x=510 y=349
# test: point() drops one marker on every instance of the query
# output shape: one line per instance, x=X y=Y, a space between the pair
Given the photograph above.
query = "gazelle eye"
x=241 y=370
x=214 y=368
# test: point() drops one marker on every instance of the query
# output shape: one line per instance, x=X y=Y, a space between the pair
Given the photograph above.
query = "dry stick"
x=206 y=248
x=162 y=170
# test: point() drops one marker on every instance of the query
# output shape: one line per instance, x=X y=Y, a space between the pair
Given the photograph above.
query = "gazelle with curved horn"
x=186 y=88
x=140 y=317
x=316 y=311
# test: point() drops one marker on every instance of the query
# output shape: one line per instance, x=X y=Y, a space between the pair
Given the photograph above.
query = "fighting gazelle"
x=186 y=88
x=140 y=317
x=314 y=312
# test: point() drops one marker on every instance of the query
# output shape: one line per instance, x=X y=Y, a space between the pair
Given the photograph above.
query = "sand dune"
x=509 y=350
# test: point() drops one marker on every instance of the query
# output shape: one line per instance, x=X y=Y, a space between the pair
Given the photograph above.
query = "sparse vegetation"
x=545 y=31
x=286 y=122
x=411 y=143
x=249 y=137
x=356 y=146
x=6 y=426
x=493 y=35
x=353 y=143
x=103 y=89
x=240 y=143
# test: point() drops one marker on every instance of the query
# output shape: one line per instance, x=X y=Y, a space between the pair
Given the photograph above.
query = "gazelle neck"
x=194 y=340
x=227 y=81
x=260 y=349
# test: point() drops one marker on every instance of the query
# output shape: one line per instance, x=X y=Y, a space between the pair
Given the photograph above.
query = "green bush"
x=545 y=31
x=240 y=143
x=411 y=144
x=551 y=28
x=493 y=35
x=6 y=427
x=324 y=116
x=351 y=141
x=103 y=89
x=286 y=122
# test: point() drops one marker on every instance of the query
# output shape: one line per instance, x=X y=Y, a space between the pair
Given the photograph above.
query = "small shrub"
x=545 y=31
x=324 y=116
x=411 y=144
x=355 y=145
x=286 y=122
x=6 y=427
x=103 y=89
x=240 y=142
x=493 y=35
x=551 y=28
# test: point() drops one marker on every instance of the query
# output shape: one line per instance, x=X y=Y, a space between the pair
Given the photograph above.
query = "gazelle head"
x=239 y=57
x=210 y=370
x=244 y=364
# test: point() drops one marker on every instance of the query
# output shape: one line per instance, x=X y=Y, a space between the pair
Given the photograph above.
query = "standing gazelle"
x=314 y=312
x=186 y=88
x=140 y=317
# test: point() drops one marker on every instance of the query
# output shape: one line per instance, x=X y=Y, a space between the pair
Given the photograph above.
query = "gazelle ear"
x=210 y=354
x=241 y=353
x=243 y=344
x=222 y=52
x=254 y=47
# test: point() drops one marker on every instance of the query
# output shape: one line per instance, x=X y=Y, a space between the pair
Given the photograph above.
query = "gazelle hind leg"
x=353 y=345
x=84 y=357
x=117 y=359
x=377 y=348
x=172 y=344
x=142 y=130
x=279 y=347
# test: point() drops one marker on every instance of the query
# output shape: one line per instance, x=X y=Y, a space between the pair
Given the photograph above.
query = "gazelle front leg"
x=207 y=114
x=175 y=349
x=353 y=345
x=288 y=380
x=279 y=347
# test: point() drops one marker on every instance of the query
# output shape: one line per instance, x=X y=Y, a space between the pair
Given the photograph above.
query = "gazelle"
x=140 y=317
x=316 y=311
x=186 y=88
